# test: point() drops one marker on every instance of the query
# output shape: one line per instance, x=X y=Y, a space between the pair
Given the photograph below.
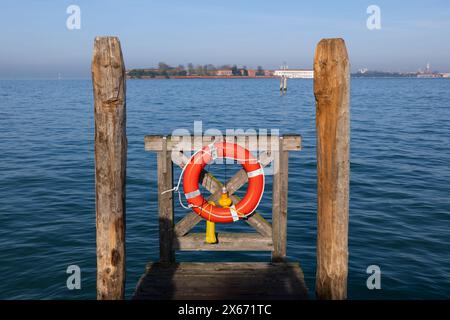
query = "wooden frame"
x=268 y=237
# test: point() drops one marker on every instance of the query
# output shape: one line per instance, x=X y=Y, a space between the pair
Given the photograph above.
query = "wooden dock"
x=222 y=281
x=277 y=279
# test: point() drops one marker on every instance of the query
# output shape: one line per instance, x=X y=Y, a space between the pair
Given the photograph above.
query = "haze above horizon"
x=36 y=42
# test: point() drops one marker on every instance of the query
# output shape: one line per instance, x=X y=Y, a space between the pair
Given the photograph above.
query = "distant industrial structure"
x=363 y=70
x=427 y=73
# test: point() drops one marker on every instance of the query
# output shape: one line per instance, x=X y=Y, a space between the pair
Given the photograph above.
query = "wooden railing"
x=269 y=237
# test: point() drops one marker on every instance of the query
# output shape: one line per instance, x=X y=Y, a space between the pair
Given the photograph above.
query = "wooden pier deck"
x=222 y=281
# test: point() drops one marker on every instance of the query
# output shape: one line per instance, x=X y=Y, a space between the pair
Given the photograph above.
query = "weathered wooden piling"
x=165 y=204
x=108 y=79
x=279 y=203
x=331 y=89
x=283 y=83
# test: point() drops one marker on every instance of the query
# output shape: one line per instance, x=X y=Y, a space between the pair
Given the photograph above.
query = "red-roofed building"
x=224 y=72
x=251 y=73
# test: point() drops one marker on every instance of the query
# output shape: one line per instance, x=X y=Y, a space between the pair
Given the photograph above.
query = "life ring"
x=209 y=211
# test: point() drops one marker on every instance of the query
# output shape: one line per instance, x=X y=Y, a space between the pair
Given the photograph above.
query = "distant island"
x=426 y=73
x=200 y=71
x=383 y=74
x=165 y=71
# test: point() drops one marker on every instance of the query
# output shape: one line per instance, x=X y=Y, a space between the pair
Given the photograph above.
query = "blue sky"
x=35 y=42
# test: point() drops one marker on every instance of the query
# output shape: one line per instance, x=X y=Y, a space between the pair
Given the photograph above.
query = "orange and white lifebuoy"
x=246 y=205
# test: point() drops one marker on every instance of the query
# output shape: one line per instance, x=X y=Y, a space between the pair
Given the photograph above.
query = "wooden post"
x=165 y=205
x=108 y=79
x=331 y=89
x=283 y=83
x=279 y=203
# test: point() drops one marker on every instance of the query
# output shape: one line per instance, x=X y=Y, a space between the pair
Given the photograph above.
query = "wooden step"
x=222 y=281
x=249 y=241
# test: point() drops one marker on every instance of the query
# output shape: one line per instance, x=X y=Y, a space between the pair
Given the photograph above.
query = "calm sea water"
x=400 y=179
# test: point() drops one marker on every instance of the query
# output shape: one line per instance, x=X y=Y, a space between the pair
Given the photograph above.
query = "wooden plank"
x=331 y=89
x=292 y=142
x=222 y=281
x=241 y=178
x=257 y=222
x=165 y=207
x=236 y=182
x=164 y=154
x=190 y=220
x=225 y=242
x=108 y=78
x=278 y=219
x=284 y=175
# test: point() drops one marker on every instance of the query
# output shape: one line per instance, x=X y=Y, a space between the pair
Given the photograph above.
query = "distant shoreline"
x=200 y=77
x=266 y=77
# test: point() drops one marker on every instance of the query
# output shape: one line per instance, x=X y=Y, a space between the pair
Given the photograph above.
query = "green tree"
x=259 y=71
x=211 y=69
x=190 y=68
x=163 y=66
x=199 y=70
x=180 y=71
x=235 y=70
x=244 y=71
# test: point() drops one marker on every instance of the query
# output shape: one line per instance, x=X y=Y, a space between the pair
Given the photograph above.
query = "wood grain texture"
x=279 y=204
x=284 y=167
x=165 y=207
x=225 y=242
x=222 y=281
x=257 y=222
x=292 y=142
x=108 y=78
x=190 y=220
x=331 y=89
